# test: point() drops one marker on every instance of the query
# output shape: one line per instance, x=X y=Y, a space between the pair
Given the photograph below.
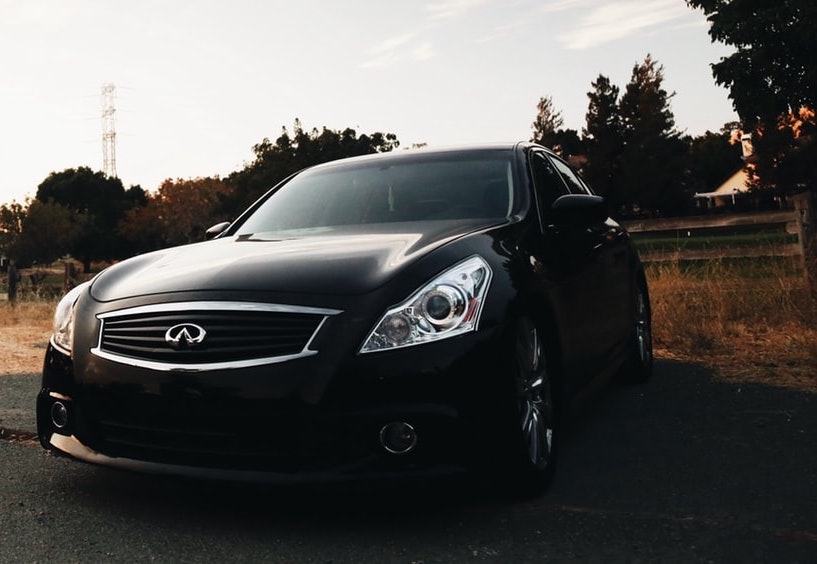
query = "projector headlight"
x=63 y=336
x=447 y=306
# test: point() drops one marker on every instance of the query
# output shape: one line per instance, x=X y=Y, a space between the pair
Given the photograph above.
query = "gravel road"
x=17 y=398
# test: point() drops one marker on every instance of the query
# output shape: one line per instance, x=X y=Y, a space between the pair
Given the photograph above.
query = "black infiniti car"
x=408 y=313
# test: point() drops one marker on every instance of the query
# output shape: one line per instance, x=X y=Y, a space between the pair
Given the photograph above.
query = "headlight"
x=63 y=336
x=447 y=306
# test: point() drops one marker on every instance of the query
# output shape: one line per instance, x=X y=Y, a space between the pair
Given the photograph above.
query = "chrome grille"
x=238 y=334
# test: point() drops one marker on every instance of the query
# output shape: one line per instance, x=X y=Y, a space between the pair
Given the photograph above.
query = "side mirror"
x=216 y=230
x=579 y=210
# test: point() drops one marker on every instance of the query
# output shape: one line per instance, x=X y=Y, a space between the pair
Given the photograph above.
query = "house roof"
x=738 y=183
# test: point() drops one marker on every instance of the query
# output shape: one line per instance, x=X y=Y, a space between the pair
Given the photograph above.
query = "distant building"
x=727 y=194
x=735 y=191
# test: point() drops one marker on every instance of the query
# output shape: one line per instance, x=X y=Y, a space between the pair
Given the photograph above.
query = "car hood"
x=335 y=261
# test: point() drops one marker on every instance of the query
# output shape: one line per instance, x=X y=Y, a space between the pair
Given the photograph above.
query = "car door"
x=609 y=265
x=566 y=269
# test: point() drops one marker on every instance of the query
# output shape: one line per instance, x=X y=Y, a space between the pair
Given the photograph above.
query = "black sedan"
x=402 y=314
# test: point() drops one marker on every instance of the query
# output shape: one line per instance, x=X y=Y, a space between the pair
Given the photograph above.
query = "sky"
x=198 y=83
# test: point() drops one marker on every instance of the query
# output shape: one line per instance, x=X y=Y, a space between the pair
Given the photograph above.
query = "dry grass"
x=24 y=333
x=753 y=325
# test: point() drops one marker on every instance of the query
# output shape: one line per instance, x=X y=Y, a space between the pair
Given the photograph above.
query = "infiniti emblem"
x=185 y=335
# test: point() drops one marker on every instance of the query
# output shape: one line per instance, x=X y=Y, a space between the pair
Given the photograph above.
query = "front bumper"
x=230 y=426
x=71 y=446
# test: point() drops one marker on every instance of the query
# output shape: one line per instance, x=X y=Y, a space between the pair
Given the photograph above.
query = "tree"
x=179 y=213
x=712 y=158
x=772 y=71
x=603 y=140
x=567 y=143
x=97 y=203
x=770 y=76
x=653 y=152
x=48 y=232
x=772 y=81
x=11 y=225
x=785 y=150
x=290 y=153
x=547 y=123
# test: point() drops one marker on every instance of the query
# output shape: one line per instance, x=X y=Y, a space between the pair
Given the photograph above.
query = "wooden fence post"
x=805 y=204
x=69 y=277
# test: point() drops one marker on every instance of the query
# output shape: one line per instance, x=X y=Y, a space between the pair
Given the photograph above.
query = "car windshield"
x=384 y=191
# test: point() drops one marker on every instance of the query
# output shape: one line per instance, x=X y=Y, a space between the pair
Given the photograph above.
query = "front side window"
x=573 y=181
x=384 y=191
x=547 y=182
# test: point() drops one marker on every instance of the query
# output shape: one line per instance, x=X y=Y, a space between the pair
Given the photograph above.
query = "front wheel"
x=531 y=429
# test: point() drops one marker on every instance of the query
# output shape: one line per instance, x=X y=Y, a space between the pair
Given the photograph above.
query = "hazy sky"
x=198 y=83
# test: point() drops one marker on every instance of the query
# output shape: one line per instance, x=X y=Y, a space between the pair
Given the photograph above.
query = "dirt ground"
x=24 y=333
x=22 y=351
x=792 y=373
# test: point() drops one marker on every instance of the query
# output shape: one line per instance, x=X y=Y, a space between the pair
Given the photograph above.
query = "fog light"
x=398 y=438
x=59 y=415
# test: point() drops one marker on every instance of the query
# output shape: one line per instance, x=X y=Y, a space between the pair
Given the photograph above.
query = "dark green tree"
x=97 y=204
x=12 y=216
x=771 y=75
x=772 y=71
x=290 y=153
x=547 y=123
x=652 y=158
x=48 y=232
x=603 y=141
x=566 y=143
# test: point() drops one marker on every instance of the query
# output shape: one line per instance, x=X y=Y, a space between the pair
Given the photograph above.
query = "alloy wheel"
x=535 y=394
x=643 y=329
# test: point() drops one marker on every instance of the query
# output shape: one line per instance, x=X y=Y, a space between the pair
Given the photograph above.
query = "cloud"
x=504 y=30
x=398 y=49
x=563 y=5
x=39 y=12
x=392 y=43
x=417 y=46
x=389 y=51
x=423 y=52
x=612 y=21
x=446 y=9
x=521 y=14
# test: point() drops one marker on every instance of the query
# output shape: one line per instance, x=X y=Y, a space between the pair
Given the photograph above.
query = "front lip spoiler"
x=76 y=449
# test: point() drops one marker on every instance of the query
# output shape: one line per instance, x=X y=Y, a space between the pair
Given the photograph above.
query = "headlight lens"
x=63 y=336
x=447 y=306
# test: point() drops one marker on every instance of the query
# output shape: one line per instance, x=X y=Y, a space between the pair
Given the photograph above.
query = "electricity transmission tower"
x=108 y=131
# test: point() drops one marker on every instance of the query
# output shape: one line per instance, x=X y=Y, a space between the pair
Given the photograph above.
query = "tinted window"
x=573 y=181
x=547 y=182
x=378 y=191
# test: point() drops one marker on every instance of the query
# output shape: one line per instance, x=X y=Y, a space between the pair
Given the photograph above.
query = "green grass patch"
x=710 y=239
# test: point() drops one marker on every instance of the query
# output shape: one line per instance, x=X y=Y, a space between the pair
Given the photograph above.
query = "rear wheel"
x=639 y=366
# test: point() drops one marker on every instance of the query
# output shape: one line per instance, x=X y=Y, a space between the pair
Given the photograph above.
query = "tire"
x=531 y=429
x=639 y=365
